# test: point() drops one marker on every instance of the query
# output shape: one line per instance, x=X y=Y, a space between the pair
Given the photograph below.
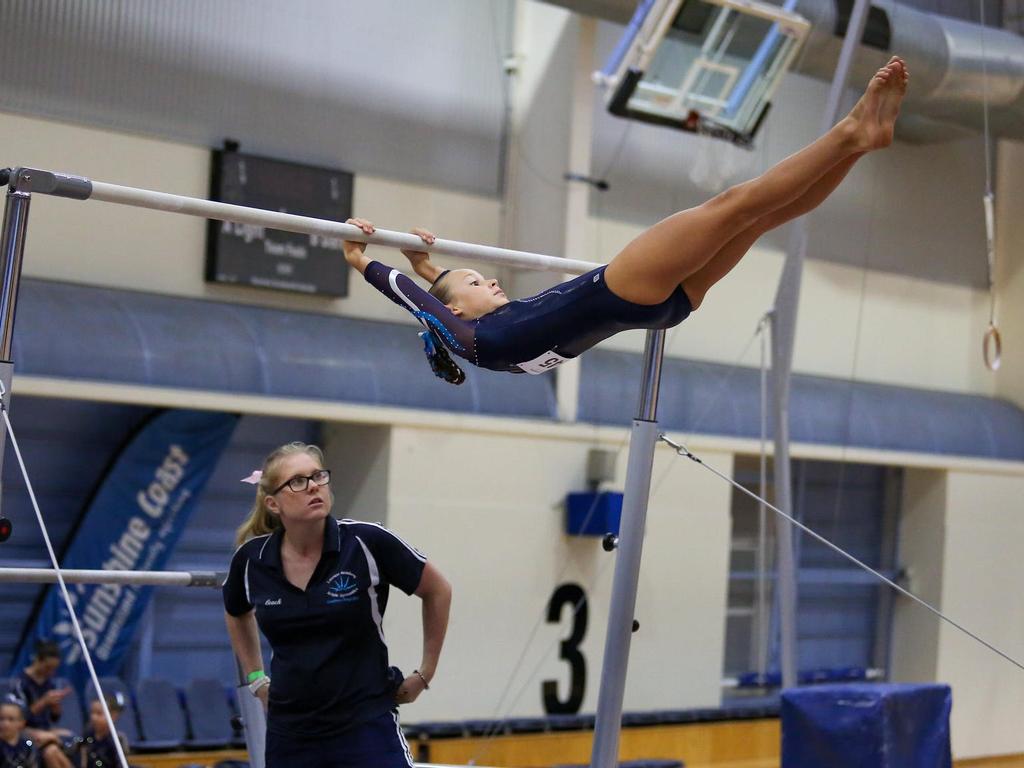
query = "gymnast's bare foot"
x=895 y=90
x=873 y=118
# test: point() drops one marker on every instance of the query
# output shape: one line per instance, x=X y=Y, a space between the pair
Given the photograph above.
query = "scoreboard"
x=247 y=254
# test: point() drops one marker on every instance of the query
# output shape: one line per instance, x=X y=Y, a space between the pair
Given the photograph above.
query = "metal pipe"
x=632 y=30
x=12 y=251
x=783 y=317
x=138 y=578
x=650 y=383
x=953 y=68
x=622 y=610
x=210 y=209
x=254 y=720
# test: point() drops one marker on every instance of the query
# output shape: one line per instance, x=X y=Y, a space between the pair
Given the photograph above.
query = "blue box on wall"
x=593 y=514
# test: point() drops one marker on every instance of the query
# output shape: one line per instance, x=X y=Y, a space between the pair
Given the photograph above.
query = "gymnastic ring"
x=992 y=348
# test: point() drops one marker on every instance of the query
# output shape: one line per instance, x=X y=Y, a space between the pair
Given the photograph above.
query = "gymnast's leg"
x=698 y=284
x=650 y=268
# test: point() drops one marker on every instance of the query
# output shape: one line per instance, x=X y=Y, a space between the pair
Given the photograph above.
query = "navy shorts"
x=377 y=743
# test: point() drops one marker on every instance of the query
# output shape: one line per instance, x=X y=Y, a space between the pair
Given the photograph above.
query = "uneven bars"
x=81 y=188
x=139 y=578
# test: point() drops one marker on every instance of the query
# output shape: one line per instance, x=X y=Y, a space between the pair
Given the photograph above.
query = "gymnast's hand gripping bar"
x=80 y=188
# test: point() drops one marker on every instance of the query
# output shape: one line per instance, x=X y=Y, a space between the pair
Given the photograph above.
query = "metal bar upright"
x=643 y=440
x=783 y=335
x=12 y=252
x=254 y=720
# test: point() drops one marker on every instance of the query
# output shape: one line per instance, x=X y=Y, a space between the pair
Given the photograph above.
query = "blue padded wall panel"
x=725 y=400
x=103 y=334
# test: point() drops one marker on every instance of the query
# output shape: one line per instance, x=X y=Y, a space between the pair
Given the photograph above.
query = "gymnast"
x=656 y=281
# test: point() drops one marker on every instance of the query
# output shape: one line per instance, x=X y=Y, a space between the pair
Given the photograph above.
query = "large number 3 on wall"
x=573 y=596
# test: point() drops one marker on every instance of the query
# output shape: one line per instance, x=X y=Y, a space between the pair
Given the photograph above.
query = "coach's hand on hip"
x=410 y=689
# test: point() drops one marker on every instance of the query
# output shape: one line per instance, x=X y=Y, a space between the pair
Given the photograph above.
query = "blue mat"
x=865 y=725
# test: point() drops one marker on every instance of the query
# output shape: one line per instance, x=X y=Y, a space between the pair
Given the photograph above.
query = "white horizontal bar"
x=191 y=206
x=140 y=578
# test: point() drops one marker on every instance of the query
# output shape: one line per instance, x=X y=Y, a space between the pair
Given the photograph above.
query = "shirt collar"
x=270 y=552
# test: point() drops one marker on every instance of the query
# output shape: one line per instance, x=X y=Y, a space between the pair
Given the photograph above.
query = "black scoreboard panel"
x=246 y=254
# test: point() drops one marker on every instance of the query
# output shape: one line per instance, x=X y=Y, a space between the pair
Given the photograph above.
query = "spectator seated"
x=71 y=713
x=114 y=686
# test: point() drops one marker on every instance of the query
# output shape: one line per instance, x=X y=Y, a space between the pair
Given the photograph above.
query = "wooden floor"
x=743 y=744
x=747 y=744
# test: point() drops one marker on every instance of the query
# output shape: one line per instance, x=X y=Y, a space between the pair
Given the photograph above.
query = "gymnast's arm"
x=355 y=253
x=420 y=260
x=457 y=334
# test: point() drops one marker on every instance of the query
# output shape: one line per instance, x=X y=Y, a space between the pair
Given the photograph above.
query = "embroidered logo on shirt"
x=342 y=588
x=273 y=602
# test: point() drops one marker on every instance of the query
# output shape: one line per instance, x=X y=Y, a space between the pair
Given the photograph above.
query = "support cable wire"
x=64 y=588
x=685 y=452
x=719 y=393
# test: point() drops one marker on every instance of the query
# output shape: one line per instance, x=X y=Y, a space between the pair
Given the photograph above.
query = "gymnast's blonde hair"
x=261 y=520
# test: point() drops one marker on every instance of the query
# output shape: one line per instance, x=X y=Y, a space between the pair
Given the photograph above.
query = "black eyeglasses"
x=299 y=483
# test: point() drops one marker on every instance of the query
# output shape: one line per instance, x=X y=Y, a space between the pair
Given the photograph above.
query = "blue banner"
x=132 y=524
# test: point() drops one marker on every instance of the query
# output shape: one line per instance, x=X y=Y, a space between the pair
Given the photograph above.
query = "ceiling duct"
x=953 y=63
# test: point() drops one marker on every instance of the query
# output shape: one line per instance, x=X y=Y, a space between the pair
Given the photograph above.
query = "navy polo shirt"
x=22 y=754
x=29 y=691
x=329 y=668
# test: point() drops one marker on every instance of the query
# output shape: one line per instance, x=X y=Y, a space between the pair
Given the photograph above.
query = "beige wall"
x=488 y=512
x=359 y=457
x=922 y=537
x=1010 y=268
x=960 y=541
x=982 y=576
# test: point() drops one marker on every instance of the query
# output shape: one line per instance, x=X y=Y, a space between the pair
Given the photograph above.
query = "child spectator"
x=42 y=701
x=97 y=746
x=16 y=748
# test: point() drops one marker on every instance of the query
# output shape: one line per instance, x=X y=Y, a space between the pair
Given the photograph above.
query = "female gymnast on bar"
x=654 y=282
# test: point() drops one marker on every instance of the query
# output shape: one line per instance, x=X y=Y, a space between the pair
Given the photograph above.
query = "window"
x=844 y=613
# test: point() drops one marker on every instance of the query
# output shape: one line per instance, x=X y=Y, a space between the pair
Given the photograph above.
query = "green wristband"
x=254 y=676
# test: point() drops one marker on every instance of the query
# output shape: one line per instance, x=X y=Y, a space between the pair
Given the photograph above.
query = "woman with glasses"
x=317 y=587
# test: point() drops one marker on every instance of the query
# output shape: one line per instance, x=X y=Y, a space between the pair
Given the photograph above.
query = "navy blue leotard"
x=535 y=334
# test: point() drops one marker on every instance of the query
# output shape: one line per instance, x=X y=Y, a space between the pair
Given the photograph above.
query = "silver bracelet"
x=426 y=685
x=259 y=682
